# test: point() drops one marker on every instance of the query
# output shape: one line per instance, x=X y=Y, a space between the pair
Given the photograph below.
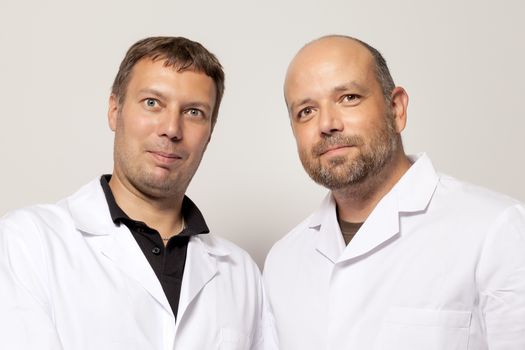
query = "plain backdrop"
x=460 y=61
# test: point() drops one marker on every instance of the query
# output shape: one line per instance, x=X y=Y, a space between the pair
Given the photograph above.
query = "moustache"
x=336 y=141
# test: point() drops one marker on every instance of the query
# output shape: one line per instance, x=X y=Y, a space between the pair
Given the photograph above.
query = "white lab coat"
x=438 y=265
x=71 y=279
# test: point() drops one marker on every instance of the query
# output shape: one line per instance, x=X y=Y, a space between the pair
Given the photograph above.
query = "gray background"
x=460 y=61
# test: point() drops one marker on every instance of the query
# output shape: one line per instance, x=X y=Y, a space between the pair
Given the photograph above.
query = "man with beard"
x=128 y=262
x=397 y=256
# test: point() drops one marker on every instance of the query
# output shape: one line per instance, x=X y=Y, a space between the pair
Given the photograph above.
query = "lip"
x=165 y=158
x=335 y=150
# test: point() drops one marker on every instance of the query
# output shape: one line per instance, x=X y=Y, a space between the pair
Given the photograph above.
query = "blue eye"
x=150 y=102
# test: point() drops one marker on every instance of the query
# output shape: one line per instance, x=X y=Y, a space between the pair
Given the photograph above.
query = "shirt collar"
x=193 y=218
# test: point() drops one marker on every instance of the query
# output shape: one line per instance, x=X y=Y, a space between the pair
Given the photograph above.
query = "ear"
x=399 y=104
x=113 y=111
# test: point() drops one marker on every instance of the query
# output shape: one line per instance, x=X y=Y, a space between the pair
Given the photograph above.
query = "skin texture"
x=347 y=134
x=162 y=129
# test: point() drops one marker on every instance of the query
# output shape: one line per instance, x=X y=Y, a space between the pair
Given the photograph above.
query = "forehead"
x=329 y=62
x=148 y=68
x=155 y=73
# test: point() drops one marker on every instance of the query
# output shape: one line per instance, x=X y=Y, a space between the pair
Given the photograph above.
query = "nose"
x=329 y=121
x=170 y=125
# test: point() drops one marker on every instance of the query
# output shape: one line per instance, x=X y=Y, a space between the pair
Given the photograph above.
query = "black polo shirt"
x=167 y=262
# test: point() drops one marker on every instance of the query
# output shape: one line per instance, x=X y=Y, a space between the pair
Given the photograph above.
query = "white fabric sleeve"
x=26 y=321
x=265 y=337
x=501 y=281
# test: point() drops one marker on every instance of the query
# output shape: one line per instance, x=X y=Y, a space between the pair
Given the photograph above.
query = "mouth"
x=334 y=150
x=165 y=158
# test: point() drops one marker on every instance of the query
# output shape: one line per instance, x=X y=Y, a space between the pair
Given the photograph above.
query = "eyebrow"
x=351 y=85
x=153 y=92
x=200 y=105
x=300 y=103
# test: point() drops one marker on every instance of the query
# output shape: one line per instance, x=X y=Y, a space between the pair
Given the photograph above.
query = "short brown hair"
x=178 y=52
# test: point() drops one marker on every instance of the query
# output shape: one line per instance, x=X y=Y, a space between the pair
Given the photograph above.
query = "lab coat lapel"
x=411 y=195
x=126 y=254
x=89 y=210
x=381 y=226
x=201 y=267
x=328 y=240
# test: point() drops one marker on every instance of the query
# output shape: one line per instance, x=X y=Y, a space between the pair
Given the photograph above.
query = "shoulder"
x=26 y=239
x=475 y=200
x=228 y=252
x=481 y=220
x=293 y=241
x=33 y=219
x=295 y=234
x=27 y=235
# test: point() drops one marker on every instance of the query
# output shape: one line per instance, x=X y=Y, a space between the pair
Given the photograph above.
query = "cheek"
x=135 y=117
x=136 y=129
x=369 y=124
x=304 y=137
x=197 y=140
x=299 y=141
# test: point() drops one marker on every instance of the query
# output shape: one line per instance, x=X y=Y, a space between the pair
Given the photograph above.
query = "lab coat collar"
x=415 y=189
x=89 y=210
x=201 y=267
x=329 y=241
x=411 y=194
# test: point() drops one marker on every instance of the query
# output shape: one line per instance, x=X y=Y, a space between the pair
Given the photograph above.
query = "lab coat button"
x=156 y=250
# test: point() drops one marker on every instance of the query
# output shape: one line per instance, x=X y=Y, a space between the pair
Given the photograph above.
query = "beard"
x=150 y=182
x=344 y=171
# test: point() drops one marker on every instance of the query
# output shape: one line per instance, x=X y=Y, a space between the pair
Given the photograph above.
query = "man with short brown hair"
x=127 y=262
x=397 y=256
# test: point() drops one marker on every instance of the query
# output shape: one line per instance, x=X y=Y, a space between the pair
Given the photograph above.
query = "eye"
x=151 y=102
x=350 y=98
x=305 y=112
x=194 y=112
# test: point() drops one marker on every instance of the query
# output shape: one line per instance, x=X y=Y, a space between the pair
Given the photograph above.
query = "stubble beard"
x=145 y=181
x=341 y=172
x=136 y=172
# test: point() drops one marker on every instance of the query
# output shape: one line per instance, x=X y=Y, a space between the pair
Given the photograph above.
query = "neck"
x=356 y=202
x=161 y=214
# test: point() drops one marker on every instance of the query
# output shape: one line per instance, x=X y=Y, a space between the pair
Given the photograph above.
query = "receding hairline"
x=319 y=40
x=377 y=61
x=335 y=36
